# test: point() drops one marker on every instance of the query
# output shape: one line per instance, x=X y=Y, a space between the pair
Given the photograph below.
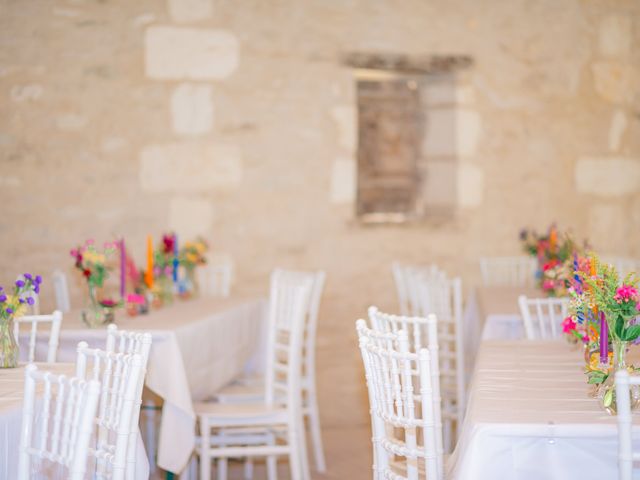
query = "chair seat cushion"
x=240 y=414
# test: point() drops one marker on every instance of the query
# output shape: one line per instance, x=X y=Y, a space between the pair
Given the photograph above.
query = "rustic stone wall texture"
x=237 y=119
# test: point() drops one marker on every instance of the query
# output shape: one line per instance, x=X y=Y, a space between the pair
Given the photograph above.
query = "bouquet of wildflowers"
x=193 y=253
x=95 y=267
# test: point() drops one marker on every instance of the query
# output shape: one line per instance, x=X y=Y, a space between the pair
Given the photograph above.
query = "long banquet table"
x=530 y=417
x=11 y=400
x=198 y=346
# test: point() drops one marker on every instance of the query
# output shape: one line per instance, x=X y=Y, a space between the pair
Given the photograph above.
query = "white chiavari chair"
x=517 y=271
x=623 y=265
x=56 y=429
x=402 y=288
x=61 y=290
x=405 y=277
x=440 y=295
x=54 y=320
x=128 y=342
x=542 y=317
x=243 y=392
x=119 y=375
x=405 y=431
x=216 y=276
x=224 y=427
x=422 y=332
x=626 y=455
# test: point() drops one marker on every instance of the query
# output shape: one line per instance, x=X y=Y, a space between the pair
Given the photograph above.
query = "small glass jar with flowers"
x=14 y=304
x=94 y=265
x=192 y=255
x=614 y=304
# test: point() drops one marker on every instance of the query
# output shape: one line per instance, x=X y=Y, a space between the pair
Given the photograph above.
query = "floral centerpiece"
x=554 y=252
x=192 y=255
x=164 y=264
x=609 y=306
x=93 y=263
x=13 y=305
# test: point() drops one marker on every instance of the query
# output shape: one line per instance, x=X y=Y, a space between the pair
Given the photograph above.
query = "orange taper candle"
x=149 y=272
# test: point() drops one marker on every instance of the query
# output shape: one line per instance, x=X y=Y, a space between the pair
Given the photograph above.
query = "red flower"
x=167 y=244
x=86 y=272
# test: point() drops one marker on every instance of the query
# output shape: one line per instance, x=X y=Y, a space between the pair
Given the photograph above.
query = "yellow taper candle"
x=149 y=272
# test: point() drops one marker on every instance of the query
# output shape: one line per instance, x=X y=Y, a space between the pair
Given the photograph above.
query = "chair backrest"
x=317 y=279
x=422 y=332
x=288 y=304
x=440 y=295
x=55 y=320
x=518 y=271
x=393 y=373
x=127 y=342
x=626 y=456
x=543 y=317
x=402 y=288
x=59 y=432
x=119 y=374
x=624 y=265
x=61 y=291
x=216 y=276
x=405 y=277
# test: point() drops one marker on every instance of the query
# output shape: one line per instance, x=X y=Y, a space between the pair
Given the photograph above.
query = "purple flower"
x=9 y=310
x=19 y=283
x=3 y=298
x=21 y=300
x=38 y=279
x=28 y=276
x=30 y=300
x=36 y=288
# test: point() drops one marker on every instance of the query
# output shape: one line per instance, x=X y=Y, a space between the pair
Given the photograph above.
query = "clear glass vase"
x=94 y=315
x=9 y=350
x=607 y=391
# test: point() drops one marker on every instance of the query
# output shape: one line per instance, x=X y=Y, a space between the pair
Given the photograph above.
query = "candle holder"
x=607 y=391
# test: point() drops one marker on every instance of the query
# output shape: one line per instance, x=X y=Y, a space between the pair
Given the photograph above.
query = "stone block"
x=439 y=188
x=346 y=121
x=613 y=81
x=190 y=217
x=608 y=177
x=343 y=181
x=607 y=224
x=190 y=10
x=191 y=109
x=24 y=93
x=614 y=35
x=175 y=53
x=470 y=185
x=71 y=122
x=190 y=167
x=617 y=129
x=451 y=132
x=113 y=144
x=447 y=93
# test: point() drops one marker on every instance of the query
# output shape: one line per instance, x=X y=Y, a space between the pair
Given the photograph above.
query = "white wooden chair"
x=623 y=265
x=224 y=427
x=119 y=374
x=543 y=317
x=61 y=291
x=405 y=277
x=393 y=374
x=216 y=276
x=435 y=293
x=422 y=332
x=128 y=342
x=243 y=392
x=56 y=428
x=626 y=455
x=55 y=321
x=518 y=271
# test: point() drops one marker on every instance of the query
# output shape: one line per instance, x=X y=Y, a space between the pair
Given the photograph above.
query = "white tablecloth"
x=11 y=400
x=198 y=347
x=530 y=417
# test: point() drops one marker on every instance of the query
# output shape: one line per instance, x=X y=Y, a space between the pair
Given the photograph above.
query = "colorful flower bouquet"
x=192 y=255
x=14 y=305
x=554 y=252
x=95 y=268
x=603 y=315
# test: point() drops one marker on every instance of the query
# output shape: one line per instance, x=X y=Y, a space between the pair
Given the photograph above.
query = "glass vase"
x=607 y=391
x=9 y=351
x=95 y=315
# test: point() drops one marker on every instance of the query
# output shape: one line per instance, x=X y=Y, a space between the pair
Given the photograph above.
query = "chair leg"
x=316 y=432
x=205 y=458
x=248 y=468
x=272 y=467
x=222 y=465
x=302 y=450
x=294 y=453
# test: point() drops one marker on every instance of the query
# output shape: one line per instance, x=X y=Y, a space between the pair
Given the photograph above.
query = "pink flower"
x=568 y=325
x=626 y=293
x=548 y=285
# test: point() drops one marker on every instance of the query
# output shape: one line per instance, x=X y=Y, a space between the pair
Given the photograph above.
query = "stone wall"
x=236 y=119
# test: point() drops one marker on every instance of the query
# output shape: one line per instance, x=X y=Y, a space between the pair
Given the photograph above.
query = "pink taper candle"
x=604 y=339
x=123 y=269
